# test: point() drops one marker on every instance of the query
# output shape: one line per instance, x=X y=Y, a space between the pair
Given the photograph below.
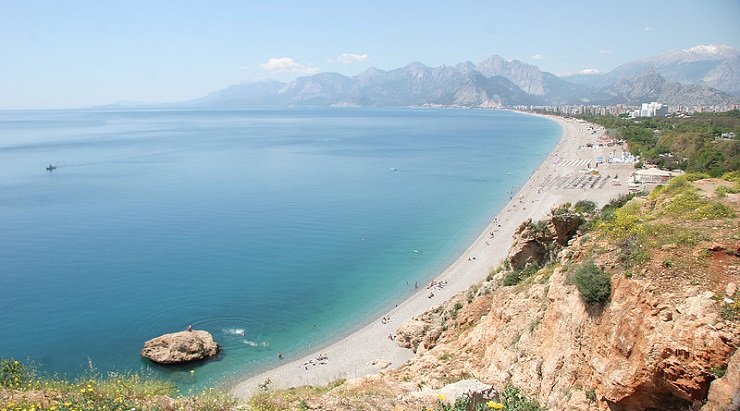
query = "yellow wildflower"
x=442 y=397
x=494 y=405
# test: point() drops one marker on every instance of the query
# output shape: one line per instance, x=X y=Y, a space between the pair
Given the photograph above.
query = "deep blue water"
x=291 y=226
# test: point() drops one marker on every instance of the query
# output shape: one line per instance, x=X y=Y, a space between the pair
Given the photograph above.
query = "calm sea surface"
x=275 y=230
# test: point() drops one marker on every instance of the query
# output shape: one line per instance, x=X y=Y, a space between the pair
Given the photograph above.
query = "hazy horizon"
x=73 y=55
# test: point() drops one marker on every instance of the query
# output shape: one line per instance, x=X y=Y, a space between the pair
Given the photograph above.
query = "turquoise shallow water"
x=275 y=230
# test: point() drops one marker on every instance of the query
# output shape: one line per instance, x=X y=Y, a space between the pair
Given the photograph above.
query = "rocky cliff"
x=664 y=339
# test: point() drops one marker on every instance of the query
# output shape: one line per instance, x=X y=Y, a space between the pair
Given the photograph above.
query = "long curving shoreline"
x=557 y=180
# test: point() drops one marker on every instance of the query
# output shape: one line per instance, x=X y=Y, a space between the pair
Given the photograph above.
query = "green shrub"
x=722 y=191
x=631 y=251
x=713 y=211
x=608 y=210
x=560 y=209
x=515 y=400
x=731 y=311
x=687 y=203
x=517 y=276
x=13 y=374
x=511 y=399
x=656 y=192
x=585 y=207
x=733 y=176
x=678 y=184
x=624 y=221
x=696 y=176
x=593 y=283
x=512 y=278
x=719 y=372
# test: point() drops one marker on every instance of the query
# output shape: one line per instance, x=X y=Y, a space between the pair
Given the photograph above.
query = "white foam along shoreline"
x=370 y=350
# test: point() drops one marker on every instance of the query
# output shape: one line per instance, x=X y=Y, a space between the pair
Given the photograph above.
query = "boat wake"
x=240 y=332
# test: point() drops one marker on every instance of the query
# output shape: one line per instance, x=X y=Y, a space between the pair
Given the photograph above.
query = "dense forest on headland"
x=701 y=143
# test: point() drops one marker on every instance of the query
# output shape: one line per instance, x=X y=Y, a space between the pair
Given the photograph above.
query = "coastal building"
x=653 y=109
x=652 y=175
x=655 y=175
x=646 y=179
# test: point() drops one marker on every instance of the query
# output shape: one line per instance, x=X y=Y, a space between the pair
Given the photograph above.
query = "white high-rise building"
x=653 y=109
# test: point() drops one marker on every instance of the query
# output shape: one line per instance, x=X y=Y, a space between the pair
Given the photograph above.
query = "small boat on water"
x=51 y=167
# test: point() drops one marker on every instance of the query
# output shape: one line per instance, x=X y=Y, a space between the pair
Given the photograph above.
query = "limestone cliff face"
x=536 y=243
x=724 y=393
x=665 y=339
x=658 y=343
x=645 y=349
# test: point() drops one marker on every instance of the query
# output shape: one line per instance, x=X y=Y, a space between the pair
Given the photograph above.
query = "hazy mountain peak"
x=711 y=65
x=527 y=77
x=701 y=53
x=417 y=65
x=497 y=82
x=370 y=74
x=721 y=50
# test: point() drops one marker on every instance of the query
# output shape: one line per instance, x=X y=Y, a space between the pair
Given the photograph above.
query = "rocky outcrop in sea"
x=181 y=347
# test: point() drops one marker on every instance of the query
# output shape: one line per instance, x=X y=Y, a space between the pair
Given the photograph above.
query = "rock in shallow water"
x=180 y=347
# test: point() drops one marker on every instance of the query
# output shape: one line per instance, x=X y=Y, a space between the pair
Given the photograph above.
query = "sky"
x=73 y=54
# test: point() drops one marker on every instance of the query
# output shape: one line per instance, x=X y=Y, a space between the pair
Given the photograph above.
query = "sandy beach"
x=560 y=178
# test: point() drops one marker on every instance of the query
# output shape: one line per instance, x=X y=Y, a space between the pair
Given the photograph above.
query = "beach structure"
x=652 y=176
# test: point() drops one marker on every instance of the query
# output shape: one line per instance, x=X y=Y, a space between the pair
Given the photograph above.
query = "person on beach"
x=190 y=328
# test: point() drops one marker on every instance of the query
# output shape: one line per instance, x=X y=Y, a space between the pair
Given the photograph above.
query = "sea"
x=276 y=230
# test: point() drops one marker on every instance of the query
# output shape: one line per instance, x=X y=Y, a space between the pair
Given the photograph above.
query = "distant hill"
x=412 y=85
x=714 y=66
x=651 y=86
x=702 y=75
x=532 y=80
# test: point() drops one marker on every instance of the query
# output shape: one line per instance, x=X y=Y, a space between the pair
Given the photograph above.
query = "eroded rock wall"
x=642 y=350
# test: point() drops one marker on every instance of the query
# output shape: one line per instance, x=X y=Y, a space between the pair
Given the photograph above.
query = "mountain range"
x=714 y=66
x=702 y=75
